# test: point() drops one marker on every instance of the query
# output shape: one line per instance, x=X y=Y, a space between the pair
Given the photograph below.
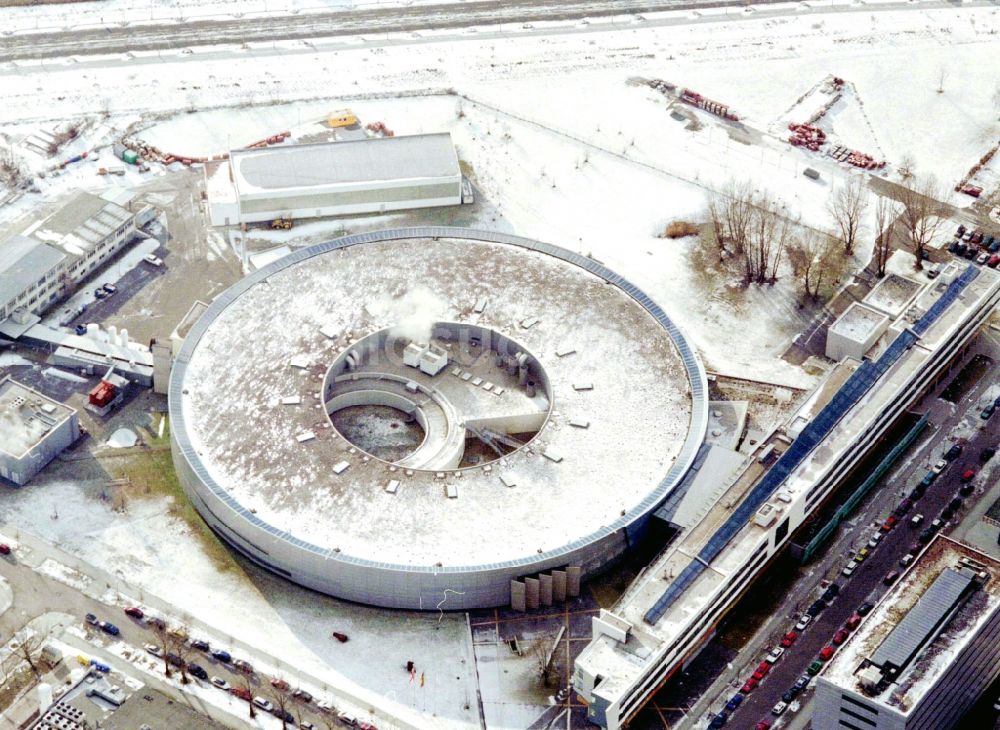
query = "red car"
x=789 y=639
x=825 y=653
x=763 y=725
x=764 y=667
x=749 y=686
x=852 y=622
x=134 y=612
x=342 y=638
x=841 y=636
x=279 y=683
x=242 y=692
x=968 y=474
x=4 y=548
x=889 y=523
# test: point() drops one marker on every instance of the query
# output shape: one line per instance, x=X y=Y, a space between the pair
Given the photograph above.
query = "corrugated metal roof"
x=24 y=261
x=922 y=622
x=329 y=163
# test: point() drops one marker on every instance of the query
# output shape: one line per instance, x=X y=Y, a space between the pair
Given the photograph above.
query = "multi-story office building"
x=923 y=656
x=31 y=276
x=674 y=606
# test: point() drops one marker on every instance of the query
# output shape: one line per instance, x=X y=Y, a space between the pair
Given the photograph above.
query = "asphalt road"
x=162 y=36
x=866 y=582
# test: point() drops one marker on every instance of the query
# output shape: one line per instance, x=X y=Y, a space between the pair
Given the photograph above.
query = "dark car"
x=988 y=453
x=953 y=453
x=955 y=504
x=199 y=644
x=987 y=412
x=109 y=628
x=830 y=593
x=927 y=535
x=788 y=695
x=109 y=288
x=156 y=623
x=947 y=513
x=81 y=329
x=816 y=608
x=289 y=717
x=961 y=229
x=100 y=293
x=134 y=612
x=891 y=577
x=174 y=660
x=223 y=656
x=91 y=619
x=735 y=701
x=903 y=507
x=966 y=489
x=865 y=608
x=801 y=683
x=718 y=721
x=302 y=696
x=196 y=670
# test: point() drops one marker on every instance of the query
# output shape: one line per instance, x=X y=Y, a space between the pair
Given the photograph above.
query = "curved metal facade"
x=407 y=586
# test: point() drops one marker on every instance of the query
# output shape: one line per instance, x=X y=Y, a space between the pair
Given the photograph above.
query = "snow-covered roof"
x=859 y=322
x=26 y=417
x=375 y=160
x=23 y=261
x=81 y=224
x=274 y=336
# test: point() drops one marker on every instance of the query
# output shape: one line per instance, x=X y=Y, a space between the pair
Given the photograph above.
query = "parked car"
x=905 y=561
x=831 y=592
x=841 y=636
x=994 y=258
x=853 y=622
x=287 y=716
x=986 y=454
x=152 y=260
x=325 y=706
x=814 y=667
x=763 y=725
x=80 y=329
x=788 y=695
x=825 y=653
x=242 y=666
x=953 y=453
x=891 y=577
x=849 y=569
x=302 y=696
x=758 y=675
x=242 y=692
x=788 y=639
x=99 y=293
x=221 y=684
x=802 y=682
x=917 y=519
x=156 y=623
x=735 y=701
x=196 y=670
x=982 y=258
x=109 y=288
x=862 y=554
x=100 y=666
x=966 y=489
x=199 y=644
x=903 y=507
x=174 y=660
x=875 y=540
x=889 y=523
x=955 y=504
x=779 y=709
x=263 y=703
x=134 y=612
x=926 y=536
x=749 y=686
x=939 y=466
x=153 y=649
x=968 y=475
x=816 y=608
x=222 y=656
x=278 y=683
x=719 y=720
x=937 y=524
x=109 y=628
x=91 y=619
x=865 y=608
x=987 y=412
x=803 y=622
x=341 y=637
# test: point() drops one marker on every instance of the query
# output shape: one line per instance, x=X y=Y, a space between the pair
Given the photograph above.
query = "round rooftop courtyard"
x=415 y=416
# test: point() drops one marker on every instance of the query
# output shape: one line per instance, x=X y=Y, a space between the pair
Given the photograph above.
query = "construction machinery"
x=282 y=224
x=342 y=118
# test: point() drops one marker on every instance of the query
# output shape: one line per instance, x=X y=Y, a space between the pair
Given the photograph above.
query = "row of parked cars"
x=224 y=657
x=974 y=244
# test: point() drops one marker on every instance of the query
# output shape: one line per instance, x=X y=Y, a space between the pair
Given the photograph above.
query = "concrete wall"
x=21 y=469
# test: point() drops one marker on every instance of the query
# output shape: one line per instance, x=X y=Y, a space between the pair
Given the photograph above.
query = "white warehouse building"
x=334 y=178
x=34 y=429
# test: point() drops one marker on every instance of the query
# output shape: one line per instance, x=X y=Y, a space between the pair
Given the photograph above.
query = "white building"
x=335 y=178
x=31 y=276
x=34 y=429
x=926 y=652
x=855 y=332
x=669 y=613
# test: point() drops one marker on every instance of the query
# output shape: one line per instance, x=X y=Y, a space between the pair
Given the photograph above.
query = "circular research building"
x=415 y=418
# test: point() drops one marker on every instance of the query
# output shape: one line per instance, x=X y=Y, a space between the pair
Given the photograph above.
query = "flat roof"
x=893 y=294
x=858 y=322
x=598 y=345
x=23 y=261
x=377 y=159
x=916 y=626
x=26 y=417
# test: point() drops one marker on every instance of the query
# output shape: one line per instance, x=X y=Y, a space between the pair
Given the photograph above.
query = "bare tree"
x=921 y=214
x=539 y=652
x=811 y=259
x=886 y=213
x=180 y=646
x=245 y=684
x=907 y=166
x=281 y=702
x=750 y=227
x=26 y=643
x=848 y=205
x=942 y=75
x=163 y=643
